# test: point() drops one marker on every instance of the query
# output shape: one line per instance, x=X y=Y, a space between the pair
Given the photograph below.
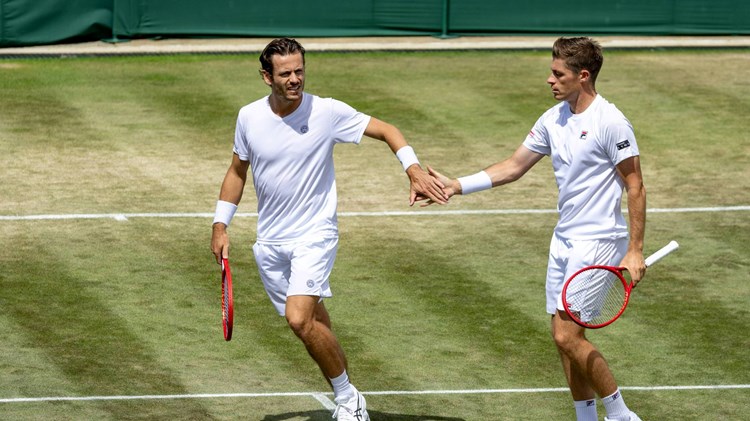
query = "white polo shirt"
x=292 y=164
x=585 y=148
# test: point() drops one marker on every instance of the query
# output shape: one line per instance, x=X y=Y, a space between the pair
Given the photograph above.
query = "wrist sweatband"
x=224 y=212
x=407 y=157
x=474 y=183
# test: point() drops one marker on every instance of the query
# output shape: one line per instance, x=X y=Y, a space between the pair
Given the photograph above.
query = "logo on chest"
x=583 y=135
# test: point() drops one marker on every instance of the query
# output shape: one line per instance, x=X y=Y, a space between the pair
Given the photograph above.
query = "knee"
x=301 y=326
x=563 y=340
x=567 y=340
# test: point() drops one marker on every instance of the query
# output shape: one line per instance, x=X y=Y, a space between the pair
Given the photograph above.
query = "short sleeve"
x=619 y=141
x=240 y=142
x=348 y=124
x=538 y=140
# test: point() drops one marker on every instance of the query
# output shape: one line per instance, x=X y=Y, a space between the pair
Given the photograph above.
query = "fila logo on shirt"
x=583 y=135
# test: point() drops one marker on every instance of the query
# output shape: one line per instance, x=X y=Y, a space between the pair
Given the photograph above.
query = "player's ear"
x=584 y=75
x=267 y=78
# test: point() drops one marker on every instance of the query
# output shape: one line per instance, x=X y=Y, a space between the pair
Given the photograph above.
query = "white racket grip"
x=672 y=246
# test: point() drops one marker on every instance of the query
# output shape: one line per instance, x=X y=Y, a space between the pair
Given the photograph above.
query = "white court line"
x=153 y=397
x=554 y=389
x=126 y=216
x=323 y=399
x=328 y=404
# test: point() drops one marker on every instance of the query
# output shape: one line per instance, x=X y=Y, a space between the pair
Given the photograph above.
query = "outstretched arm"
x=422 y=184
x=630 y=171
x=229 y=197
x=497 y=174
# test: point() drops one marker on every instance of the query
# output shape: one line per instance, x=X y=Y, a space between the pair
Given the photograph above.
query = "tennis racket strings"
x=596 y=295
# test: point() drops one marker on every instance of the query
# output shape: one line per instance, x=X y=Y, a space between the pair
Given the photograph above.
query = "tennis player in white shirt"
x=287 y=140
x=594 y=157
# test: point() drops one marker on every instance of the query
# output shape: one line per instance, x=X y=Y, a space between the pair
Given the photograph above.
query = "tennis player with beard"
x=287 y=140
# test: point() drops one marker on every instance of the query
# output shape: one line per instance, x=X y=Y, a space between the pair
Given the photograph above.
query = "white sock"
x=615 y=406
x=586 y=410
x=341 y=387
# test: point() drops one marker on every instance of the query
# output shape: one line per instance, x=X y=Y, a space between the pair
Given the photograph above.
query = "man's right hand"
x=451 y=186
x=219 y=242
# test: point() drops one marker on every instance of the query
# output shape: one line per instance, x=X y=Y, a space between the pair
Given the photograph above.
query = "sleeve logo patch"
x=622 y=145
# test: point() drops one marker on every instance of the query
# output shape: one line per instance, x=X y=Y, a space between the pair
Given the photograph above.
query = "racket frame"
x=227 y=300
x=627 y=287
x=650 y=260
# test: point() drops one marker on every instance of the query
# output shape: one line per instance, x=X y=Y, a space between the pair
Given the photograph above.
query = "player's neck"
x=583 y=100
x=283 y=107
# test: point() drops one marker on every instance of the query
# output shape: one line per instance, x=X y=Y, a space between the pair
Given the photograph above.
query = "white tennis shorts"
x=567 y=257
x=300 y=268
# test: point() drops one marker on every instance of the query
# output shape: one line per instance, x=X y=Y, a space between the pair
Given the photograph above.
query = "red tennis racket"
x=596 y=296
x=227 y=300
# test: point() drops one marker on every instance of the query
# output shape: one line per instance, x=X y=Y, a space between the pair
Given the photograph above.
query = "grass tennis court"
x=441 y=314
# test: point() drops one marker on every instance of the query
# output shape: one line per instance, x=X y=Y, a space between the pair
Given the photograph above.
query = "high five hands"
x=448 y=188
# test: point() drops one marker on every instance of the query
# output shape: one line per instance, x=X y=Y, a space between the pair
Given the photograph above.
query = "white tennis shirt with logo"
x=585 y=148
x=291 y=159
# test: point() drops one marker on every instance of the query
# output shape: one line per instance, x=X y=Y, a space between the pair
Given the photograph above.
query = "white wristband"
x=474 y=183
x=407 y=157
x=224 y=212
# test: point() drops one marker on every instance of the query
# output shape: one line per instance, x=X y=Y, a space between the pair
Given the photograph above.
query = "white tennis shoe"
x=633 y=417
x=355 y=409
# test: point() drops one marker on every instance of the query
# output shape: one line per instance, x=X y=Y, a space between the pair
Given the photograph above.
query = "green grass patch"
x=440 y=302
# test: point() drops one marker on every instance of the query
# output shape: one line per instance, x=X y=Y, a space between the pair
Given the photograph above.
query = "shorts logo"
x=304 y=129
x=310 y=283
x=622 y=145
x=583 y=135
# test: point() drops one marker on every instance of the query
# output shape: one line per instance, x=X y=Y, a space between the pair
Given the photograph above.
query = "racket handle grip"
x=672 y=246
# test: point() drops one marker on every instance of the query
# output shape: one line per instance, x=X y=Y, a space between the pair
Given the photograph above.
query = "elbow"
x=514 y=174
x=637 y=195
x=638 y=190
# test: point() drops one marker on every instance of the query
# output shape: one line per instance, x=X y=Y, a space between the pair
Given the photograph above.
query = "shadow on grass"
x=321 y=415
